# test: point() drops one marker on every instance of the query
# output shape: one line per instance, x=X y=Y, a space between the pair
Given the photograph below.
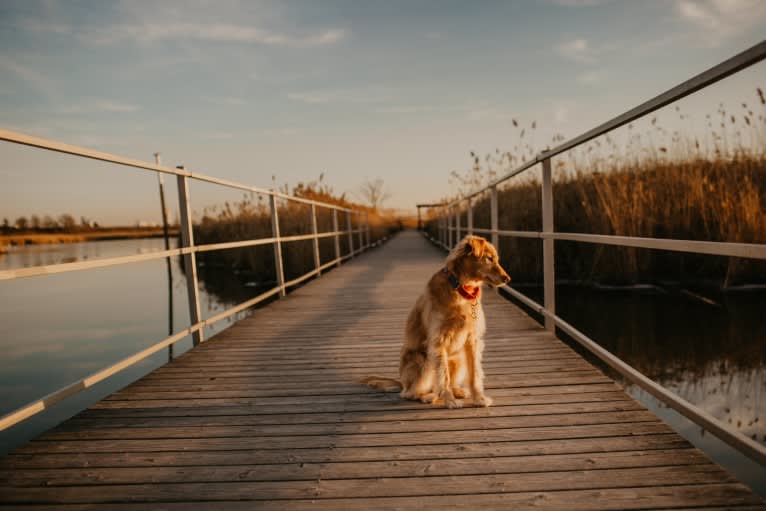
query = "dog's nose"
x=506 y=279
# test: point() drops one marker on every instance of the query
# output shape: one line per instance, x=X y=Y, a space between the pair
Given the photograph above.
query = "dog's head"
x=475 y=259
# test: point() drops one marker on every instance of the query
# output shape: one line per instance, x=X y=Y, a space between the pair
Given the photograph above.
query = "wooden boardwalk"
x=267 y=415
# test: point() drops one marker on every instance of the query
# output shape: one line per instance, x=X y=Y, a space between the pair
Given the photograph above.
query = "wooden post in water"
x=367 y=229
x=277 y=245
x=161 y=182
x=190 y=259
x=549 y=276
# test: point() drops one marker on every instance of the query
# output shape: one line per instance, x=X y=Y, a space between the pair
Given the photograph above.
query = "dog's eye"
x=489 y=258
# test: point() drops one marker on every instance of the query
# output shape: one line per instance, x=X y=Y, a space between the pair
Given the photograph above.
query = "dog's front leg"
x=474 y=348
x=443 y=383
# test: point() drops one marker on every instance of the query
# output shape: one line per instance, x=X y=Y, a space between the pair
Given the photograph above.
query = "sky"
x=264 y=92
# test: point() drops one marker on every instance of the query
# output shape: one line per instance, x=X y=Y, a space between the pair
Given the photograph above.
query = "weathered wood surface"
x=268 y=415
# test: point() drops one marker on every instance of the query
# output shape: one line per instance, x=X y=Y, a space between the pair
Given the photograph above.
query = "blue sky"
x=357 y=90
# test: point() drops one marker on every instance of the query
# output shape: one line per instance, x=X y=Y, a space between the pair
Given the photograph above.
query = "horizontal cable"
x=50 y=269
x=720 y=248
x=748 y=250
x=46 y=402
x=716 y=73
x=732 y=437
x=60 y=147
x=86 y=265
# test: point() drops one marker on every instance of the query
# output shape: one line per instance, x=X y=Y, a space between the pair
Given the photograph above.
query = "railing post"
x=448 y=214
x=349 y=223
x=441 y=227
x=445 y=230
x=367 y=229
x=457 y=223
x=493 y=215
x=469 y=216
x=277 y=245
x=337 y=235
x=549 y=277
x=315 y=232
x=190 y=259
x=420 y=224
x=360 y=232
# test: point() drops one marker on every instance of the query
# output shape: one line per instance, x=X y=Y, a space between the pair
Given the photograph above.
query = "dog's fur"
x=443 y=342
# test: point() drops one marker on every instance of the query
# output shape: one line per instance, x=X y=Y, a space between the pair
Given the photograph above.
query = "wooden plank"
x=593 y=431
x=347 y=454
x=371 y=488
x=726 y=496
x=283 y=427
x=371 y=415
x=341 y=470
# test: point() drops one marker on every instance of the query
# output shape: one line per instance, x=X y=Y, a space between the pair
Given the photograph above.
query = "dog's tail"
x=382 y=383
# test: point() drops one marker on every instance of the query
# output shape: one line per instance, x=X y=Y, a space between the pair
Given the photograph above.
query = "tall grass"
x=225 y=272
x=714 y=190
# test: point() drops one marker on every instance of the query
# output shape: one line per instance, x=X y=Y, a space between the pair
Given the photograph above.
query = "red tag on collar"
x=469 y=292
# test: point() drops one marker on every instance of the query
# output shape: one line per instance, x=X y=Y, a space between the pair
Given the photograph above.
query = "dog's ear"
x=475 y=245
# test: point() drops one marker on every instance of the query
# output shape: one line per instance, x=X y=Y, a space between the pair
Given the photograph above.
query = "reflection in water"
x=711 y=352
x=711 y=355
x=58 y=328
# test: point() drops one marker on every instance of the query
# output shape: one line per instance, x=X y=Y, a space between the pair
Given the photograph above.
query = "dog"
x=443 y=340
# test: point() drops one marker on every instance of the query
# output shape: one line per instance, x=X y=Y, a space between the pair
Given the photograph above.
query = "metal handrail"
x=188 y=250
x=449 y=234
x=60 y=147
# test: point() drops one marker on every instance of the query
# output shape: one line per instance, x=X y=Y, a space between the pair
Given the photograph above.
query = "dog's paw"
x=483 y=400
x=429 y=398
x=451 y=402
x=459 y=393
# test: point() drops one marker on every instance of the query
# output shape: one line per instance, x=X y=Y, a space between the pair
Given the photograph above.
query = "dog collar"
x=467 y=292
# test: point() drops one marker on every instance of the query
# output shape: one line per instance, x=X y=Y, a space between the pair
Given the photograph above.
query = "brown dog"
x=443 y=338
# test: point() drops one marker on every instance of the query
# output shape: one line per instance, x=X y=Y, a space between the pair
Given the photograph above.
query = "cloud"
x=29 y=76
x=98 y=105
x=217 y=136
x=226 y=101
x=577 y=50
x=581 y=3
x=560 y=115
x=717 y=20
x=590 y=77
x=145 y=33
x=324 y=97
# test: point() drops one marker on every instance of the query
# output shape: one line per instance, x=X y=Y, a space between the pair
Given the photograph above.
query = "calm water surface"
x=57 y=329
x=711 y=354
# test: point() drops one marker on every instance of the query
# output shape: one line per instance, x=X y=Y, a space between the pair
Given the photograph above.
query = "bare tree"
x=67 y=222
x=22 y=223
x=373 y=193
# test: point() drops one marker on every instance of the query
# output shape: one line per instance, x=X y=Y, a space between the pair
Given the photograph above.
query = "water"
x=59 y=328
x=707 y=347
x=56 y=329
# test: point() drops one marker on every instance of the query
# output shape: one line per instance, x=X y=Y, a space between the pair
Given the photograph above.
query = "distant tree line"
x=46 y=223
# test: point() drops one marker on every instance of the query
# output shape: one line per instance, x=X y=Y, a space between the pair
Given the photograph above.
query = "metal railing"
x=449 y=233
x=357 y=230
